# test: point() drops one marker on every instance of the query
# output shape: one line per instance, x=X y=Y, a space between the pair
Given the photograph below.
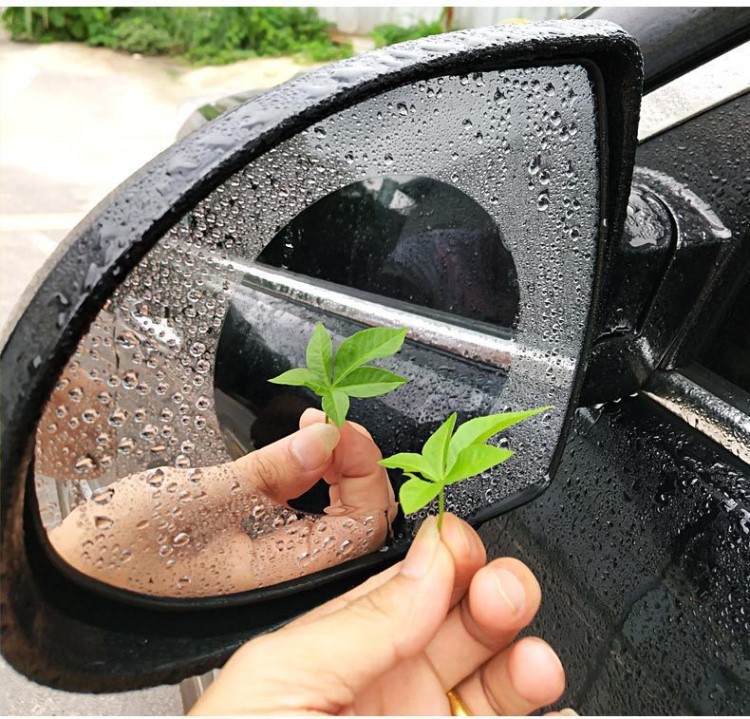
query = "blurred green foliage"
x=201 y=35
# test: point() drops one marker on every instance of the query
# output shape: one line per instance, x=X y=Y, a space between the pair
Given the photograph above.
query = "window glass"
x=409 y=238
x=728 y=354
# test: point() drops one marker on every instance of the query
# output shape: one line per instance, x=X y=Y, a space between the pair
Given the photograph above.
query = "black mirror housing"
x=59 y=631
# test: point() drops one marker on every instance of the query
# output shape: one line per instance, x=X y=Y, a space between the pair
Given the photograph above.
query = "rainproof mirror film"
x=465 y=208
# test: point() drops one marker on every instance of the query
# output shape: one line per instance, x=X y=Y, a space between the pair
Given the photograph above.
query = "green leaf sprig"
x=337 y=377
x=449 y=457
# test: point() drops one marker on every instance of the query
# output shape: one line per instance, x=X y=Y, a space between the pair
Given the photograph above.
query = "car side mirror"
x=148 y=339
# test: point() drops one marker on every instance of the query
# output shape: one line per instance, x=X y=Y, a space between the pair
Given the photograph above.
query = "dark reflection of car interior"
x=413 y=239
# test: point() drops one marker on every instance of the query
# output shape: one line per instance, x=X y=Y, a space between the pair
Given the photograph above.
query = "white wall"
x=361 y=20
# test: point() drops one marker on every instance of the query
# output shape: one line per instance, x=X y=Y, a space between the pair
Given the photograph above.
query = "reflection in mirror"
x=149 y=449
x=412 y=239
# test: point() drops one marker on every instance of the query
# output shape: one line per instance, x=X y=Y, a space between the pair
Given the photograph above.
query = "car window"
x=728 y=353
x=408 y=238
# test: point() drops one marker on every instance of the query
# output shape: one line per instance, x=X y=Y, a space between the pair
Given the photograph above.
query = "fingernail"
x=568 y=712
x=311 y=447
x=422 y=551
x=510 y=589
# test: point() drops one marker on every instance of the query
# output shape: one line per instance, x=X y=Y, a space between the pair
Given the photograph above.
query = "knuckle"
x=490 y=640
x=488 y=682
x=374 y=608
x=266 y=474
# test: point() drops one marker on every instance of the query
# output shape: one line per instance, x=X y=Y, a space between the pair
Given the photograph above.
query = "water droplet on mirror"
x=197 y=349
x=103 y=523
x=149 y=432
x=103 y=496
x=125 y=445
x=83 y=464
x=126 y=340
x=155 y=477
x=182 y=461
x=181 y=539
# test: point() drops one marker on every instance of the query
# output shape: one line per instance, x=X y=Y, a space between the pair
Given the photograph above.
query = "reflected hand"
x=346 y=457
x=224 y=529
x=441 y=619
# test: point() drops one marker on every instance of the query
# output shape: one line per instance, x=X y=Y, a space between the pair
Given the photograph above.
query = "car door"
x=642 y=539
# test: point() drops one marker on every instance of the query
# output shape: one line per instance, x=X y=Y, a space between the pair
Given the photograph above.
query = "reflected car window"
x=407 y=238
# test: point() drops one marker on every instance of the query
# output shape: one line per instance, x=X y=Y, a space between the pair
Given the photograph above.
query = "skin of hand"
x=179 y=532
x=58 y=446
x=442 y=619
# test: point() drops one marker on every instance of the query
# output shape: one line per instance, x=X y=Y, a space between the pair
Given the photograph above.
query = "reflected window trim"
x=482 y=346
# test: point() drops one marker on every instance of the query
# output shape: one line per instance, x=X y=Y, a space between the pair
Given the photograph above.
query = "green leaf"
x=335 y=405
x=475 y=459
x=408 y=461
x=365 y=346
x=416 y=493
x=435 y=450
x=369 y=382
x=295 y=377
x=481 y=429
x=320 y=355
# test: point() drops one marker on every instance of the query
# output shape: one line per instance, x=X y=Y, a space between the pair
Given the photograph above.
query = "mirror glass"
x=465 y=208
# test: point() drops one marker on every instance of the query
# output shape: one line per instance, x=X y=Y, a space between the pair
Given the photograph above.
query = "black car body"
x=641 y=540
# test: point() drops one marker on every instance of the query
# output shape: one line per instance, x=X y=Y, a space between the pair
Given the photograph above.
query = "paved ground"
x=76 y=121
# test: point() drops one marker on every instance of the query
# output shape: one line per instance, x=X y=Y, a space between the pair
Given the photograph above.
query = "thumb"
x=324 y=664
x=289 y=467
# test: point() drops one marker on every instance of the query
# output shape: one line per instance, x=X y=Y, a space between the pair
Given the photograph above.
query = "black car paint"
x=642 y=549
x=646 y=568
x=674 y=40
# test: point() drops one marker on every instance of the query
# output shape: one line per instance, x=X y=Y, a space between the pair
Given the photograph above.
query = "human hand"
x=224 y=529
x=442 y=619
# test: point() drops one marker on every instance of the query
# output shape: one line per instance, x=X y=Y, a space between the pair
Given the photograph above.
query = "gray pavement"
x=76 y=121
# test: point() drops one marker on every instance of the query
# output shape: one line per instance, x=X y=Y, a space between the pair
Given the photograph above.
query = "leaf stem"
x=441 y=507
